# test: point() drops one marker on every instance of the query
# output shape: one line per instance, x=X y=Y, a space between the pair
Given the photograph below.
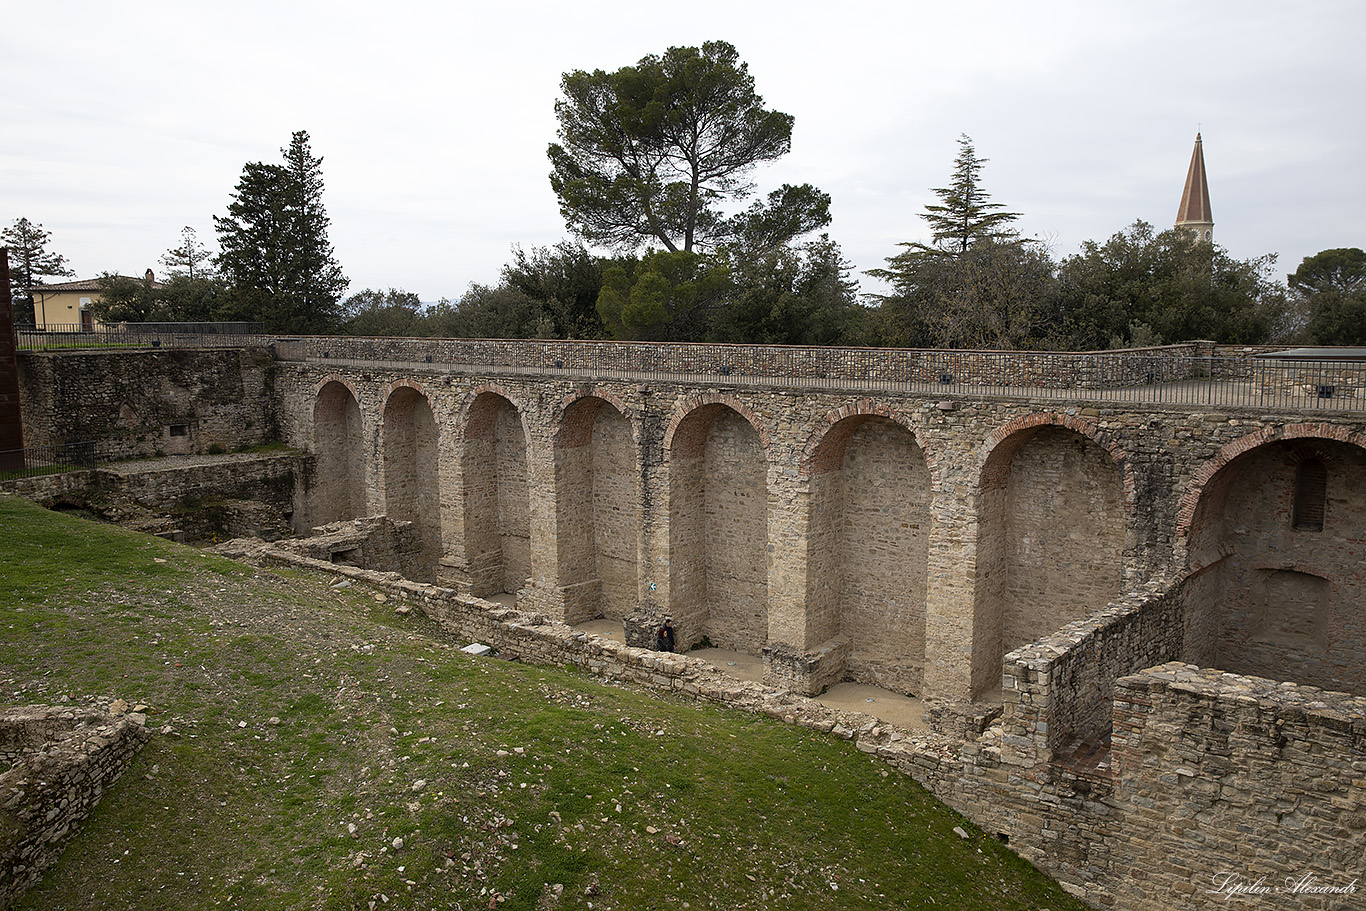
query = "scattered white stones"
x=397 y=843
x=478 y=649
x=958 y=830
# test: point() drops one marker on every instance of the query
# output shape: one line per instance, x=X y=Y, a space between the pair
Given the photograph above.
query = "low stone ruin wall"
x=59 y=763
x=194 y=498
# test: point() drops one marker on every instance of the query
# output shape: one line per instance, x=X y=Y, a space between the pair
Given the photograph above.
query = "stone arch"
x=597 y=512
x=1052 y=502
x=569 y=433
x=1195 y=491
x=1265 y=595
x=868 y=531
x=818 y=456
x=411 y=478
x=338 y=491
x=693 y=437
x=718 y=525
x=495 y=491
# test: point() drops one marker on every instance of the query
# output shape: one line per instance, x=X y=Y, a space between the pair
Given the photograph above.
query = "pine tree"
x=29 y=261
x=964 y=215
x=275 y=253
x=191 y=259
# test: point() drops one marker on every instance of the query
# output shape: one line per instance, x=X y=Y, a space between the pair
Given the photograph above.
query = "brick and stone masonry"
x=1019 y=562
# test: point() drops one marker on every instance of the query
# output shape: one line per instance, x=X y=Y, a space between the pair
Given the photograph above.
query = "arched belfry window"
x=1311 y=491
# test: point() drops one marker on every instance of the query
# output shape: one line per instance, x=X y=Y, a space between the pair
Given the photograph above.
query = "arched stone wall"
x=411 y=482
x=1050 y=540
x=1271 y=597
x=597 y=522
x=867 y=548
x=718 y=532
x=496 y=498
x=338 y=491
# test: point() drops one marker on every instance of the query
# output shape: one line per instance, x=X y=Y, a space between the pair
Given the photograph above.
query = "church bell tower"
x=1194 y=214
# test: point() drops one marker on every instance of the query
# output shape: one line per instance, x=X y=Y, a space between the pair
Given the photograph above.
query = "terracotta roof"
x=1195 y=207
x=84 y=284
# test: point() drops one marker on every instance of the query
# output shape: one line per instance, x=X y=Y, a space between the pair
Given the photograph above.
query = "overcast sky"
x=121 y=122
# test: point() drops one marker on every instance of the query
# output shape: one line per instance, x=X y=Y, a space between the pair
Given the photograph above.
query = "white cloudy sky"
x=121 y=121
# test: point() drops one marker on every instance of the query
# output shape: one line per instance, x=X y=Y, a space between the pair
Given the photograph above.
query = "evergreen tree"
x=29 y=263
x=275 y=255
x=965 y=216
x=191 y=259
x=647 y=154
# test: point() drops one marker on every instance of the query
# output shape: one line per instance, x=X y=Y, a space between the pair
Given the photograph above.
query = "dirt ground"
x=884 y=705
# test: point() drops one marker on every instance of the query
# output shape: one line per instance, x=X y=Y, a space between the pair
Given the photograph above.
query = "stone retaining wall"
x=1227 y=781
x=145 y=403
x=200 y=498
x=1060 y=689
x=59 y=763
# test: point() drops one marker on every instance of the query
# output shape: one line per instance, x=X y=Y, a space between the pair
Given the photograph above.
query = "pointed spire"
x=1195 y=213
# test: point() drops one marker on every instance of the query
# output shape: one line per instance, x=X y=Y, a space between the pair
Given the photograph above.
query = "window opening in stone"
x=1311 y=490
x=180 y=430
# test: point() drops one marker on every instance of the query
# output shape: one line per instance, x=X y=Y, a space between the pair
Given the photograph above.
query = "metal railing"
x=141 y=335
x=1187 y=375
x=44 y=460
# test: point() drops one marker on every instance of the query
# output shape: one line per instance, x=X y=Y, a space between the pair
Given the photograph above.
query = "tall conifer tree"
x=275 y=250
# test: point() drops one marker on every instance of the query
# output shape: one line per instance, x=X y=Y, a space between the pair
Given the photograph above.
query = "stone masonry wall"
x=1268 y=779
x=202 y=498
x=58 y=762
x=146 y=403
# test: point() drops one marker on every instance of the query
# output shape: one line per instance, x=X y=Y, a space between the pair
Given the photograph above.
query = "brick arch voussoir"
x=1200 y=480
x=692 y=403
x=323 y=383
x=414 y=385
x=561 y=421
x=861 y=408
x=1005 y=441
x=466 y=417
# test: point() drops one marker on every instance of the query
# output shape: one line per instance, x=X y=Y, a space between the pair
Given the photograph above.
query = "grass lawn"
x=324 y=752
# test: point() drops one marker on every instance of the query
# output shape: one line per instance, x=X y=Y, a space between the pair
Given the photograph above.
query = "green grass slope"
x=321 y=751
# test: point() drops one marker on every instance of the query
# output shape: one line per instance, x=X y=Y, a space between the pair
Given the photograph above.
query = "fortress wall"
x=1060 y=689
x=1090 y=496
x=1223 y=779
x=149 y=402
x=883 y=523
x=1040 y=369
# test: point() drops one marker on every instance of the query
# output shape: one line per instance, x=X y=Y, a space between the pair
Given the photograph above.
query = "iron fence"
x=141 y=335
x=44 y=460
x=1188 y=375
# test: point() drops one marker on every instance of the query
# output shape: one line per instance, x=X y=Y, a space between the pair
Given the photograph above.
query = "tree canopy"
x=275 y=255
x=29 y=261
x=1166 y=287
x=652 y=152
x=190 y=259
x=1330 y=294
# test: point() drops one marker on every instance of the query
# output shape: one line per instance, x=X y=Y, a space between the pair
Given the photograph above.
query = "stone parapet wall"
x=59 y=764
x=891 y=366
x=1268 y=780
x=1060 y=689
